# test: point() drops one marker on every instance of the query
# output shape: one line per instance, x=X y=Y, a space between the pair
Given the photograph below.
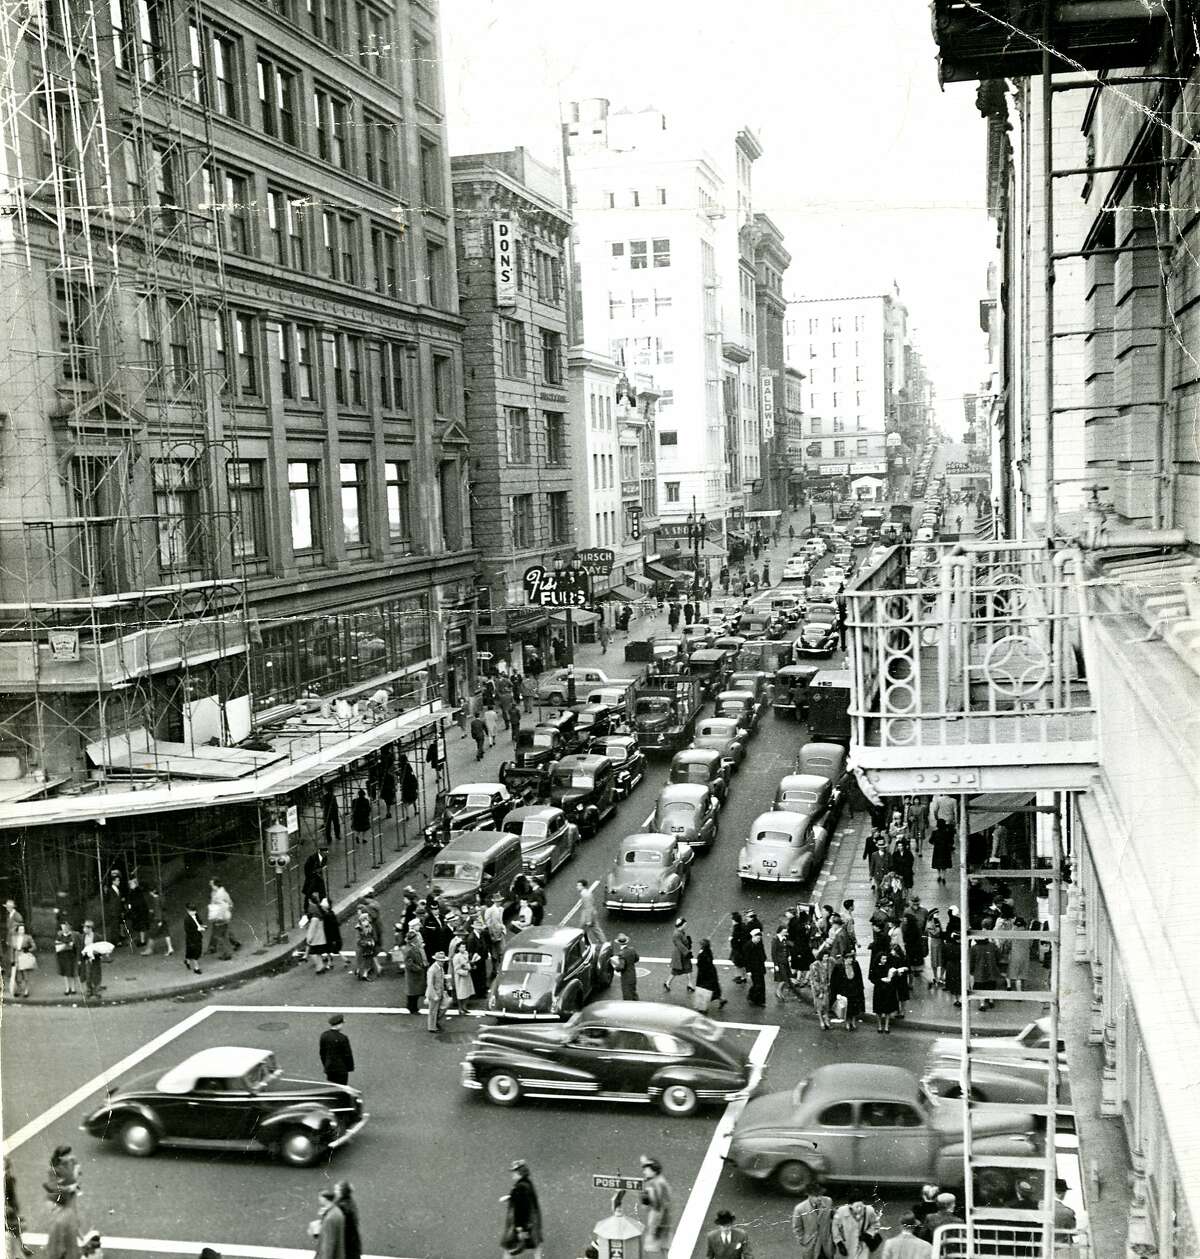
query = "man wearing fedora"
x=725 y=1241
x=435 y=992
x=337 y=1057
x=625 y=961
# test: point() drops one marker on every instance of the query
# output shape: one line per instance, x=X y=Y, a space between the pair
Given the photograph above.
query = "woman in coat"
x=739 y=937
x=387 y=791
x=460 y=974
x=847 y=981
x=478 y=951
x=681 y=956
x=934 y=945
x=818 y=983
x=366 y=945
x=902 y=863
x=193 y=939
x=943 y=851
x=333 y=930
x=67 y=944
x=408 y=787
x=951 y=954
x=884 y=1002
x=415 y=962
x=24 y=961
x=879 y=864
x=315 y=946
x=756 y=968
x=706 y=971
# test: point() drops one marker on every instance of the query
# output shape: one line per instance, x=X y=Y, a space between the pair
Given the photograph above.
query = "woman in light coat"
x=850 y=1221
x=315 y=947
x=460 y=969
x=681 y=956
x=24 y=960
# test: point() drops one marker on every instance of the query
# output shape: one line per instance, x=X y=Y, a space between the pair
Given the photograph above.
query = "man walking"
x=625 y=962
x=587 y=914
x=435 y=992
x=523 y=1219
x=337 y=1058
x=725 y=1241
x=219 y=913
x=812 y=1218
x=906 y=1245
x=479 y=732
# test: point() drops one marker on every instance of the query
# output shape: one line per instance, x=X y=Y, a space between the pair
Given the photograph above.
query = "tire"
x=138 y=1138
x=298 y=1148
x=502 y=1088
x=793 y=1177
x=678 y=1101
x=556 y=700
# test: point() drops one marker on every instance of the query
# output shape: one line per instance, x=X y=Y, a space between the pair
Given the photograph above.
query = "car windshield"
x=543 y=739
x=643 y=857
x=260 y=1076
x=467 y=870
x=457 y=800
x=771 y=837
x=653 y=706
x=614 y=752
x=526 y=959
x=533 y=828
x=569 y=777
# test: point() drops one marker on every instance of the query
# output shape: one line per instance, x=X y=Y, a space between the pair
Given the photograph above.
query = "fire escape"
x=972 y=682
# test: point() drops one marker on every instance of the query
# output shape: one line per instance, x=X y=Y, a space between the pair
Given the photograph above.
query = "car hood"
x=564 y=796
x=536 y=983
x=525 y=1038
x=652 y=721
x=948 y=1120
x=765 y=1113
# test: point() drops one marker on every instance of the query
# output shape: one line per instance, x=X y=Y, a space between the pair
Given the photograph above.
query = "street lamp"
x=559 y=566
x=696 y=528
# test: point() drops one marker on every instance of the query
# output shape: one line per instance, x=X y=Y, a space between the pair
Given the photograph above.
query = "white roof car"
x=924 y=535
x=224 y=1063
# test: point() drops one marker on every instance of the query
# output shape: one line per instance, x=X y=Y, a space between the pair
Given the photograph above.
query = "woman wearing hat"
x=656 y=1198
x=706 y=972
x=681 y=956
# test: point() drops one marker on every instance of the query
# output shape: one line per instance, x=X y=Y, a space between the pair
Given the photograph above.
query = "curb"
x=281 y=956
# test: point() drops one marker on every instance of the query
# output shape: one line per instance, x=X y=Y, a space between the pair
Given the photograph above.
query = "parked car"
x=649 y=874
x=471 y=807
x=548 y=840
x=585 y=788
x=760 y=623
x=721 y=734
x=829 y=585
x=628 y=760
x=804 y=794
x=689 y=812
x=232 y=1098
x=553 y=689
x=818 y=640
x=782 y=847
x=538 y=744
x=1024 y=1054
x=791 y=685
x=705 y=766
x=618 y=1051
x=993 y=1082
x=864 y=1123
x=549 y=972
x=742 y=707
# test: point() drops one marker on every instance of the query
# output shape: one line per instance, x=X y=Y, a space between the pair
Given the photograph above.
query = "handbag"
x=872 y=1240
x=26 y=961
x=702 y=999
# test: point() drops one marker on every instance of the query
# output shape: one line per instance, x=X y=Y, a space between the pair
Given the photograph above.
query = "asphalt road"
x=431 y=1164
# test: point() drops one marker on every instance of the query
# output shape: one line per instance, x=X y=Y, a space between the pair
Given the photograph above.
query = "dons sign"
x=503 y=242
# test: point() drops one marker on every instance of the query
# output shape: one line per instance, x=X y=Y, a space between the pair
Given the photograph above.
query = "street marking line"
x=695 y=1211
x=81 y=1094
x=566 y=918
x=152 y=1245
x=347 y=1010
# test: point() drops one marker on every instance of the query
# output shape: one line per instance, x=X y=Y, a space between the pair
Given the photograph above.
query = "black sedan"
x=230 y=1098
x=817 y=640
x=470 y=807
x=614 y=1051
x=549 y=972
x=629 y=761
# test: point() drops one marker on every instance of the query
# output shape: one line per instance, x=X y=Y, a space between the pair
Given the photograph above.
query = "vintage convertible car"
x=232 y=1098
x=721 y=734
x=649 y=874
x=628 y=760
x=864 y=1123
x=689 y=812
x=549 y=972
x=471 y=807
x=548 y=840
x=615 y=1051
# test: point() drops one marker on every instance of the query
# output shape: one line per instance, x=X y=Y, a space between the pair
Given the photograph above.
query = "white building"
x=646 y=214
x=596 y=449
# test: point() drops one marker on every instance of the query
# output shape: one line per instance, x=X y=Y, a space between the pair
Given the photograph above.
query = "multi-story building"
x=233 y=434
x=512 y=233
x=596 y=455
x=771 y=261
x=646 y=260
x=858 y=378
x=793 y=411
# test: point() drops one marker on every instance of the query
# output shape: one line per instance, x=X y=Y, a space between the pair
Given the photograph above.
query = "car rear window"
x=800 y=797
x=771 y=837
x=614 y=752
x=534 y=828
x=524 y=959
x=468 y=870
x=468 y=800
x=643 y=857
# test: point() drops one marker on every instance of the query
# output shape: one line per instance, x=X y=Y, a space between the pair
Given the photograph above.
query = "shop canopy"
x=626 y=594
x=638 y=580
x=763 y=515
x=579 y=616
x=987 y=811
x=866 y=483
x=662 y=573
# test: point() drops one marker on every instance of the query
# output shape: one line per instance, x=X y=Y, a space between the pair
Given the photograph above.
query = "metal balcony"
x=967 y=671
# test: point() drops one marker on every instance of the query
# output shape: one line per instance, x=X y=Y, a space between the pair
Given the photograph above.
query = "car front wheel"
x=138 y=1138
x=502 y=1089
x=299 y=1148
x=793 y=1177
x=679 y=1101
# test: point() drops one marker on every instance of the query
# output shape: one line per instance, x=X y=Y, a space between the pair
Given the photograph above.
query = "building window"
x=177 y=513
x=385 y=248
x=637 y=255
x=672 y=488
x=552 y=371
x=398 y=510
x=435 y=272
x=662 y=253
x=610 y=200
x=296 y=354
x=352 y=350
x=517 y=431
x=150 y=342
x=248 y=507
x=164 y=195
x=235 y=212
x=180 y=343
x=662 y=303
x=860 y=323
x=378 y=151
x=662 y=196
x=277 y=90
x=860 y=446
x=639 y=306
x=859 y=423
x=556 y=437
x=331 y=120
x=245 y=340
x=424 y=70
x=353 y=478
x=522 y=521
x=668 y=437
x=339 y=236
x=839 y=426
x=560 y=516
x=286 y=221
x=616 y=306
x=431 y=174
x=634 y=199
x=304 y=502
x=839 y=449
x=137 y=37
x=814 y=426
x=443 y=386
x=325 y=21
x=216 y=69
x=512 y=340
x=374 y=46
x=813 y=326
x=393 y=376
x=549 y=277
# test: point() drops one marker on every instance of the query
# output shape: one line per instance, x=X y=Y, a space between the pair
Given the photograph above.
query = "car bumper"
x=759 y=876
x=751 y=1086
x=640 y=907
x=468 y=1078
x=350 y=1132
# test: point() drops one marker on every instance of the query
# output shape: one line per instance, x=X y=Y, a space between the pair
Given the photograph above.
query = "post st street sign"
x=568 y=588
x=631 y=1183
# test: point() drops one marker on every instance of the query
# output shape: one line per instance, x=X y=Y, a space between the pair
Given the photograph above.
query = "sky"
x=873 y=172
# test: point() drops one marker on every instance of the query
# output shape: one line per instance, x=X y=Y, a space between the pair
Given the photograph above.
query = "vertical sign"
x=506 y=263
x=767 y=393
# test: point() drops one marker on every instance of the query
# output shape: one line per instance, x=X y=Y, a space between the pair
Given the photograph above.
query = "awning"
x=663 y=573
x=626 y=594
x=579 y=616
x=638 y=580
x=763 y=515
x=998 y=806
